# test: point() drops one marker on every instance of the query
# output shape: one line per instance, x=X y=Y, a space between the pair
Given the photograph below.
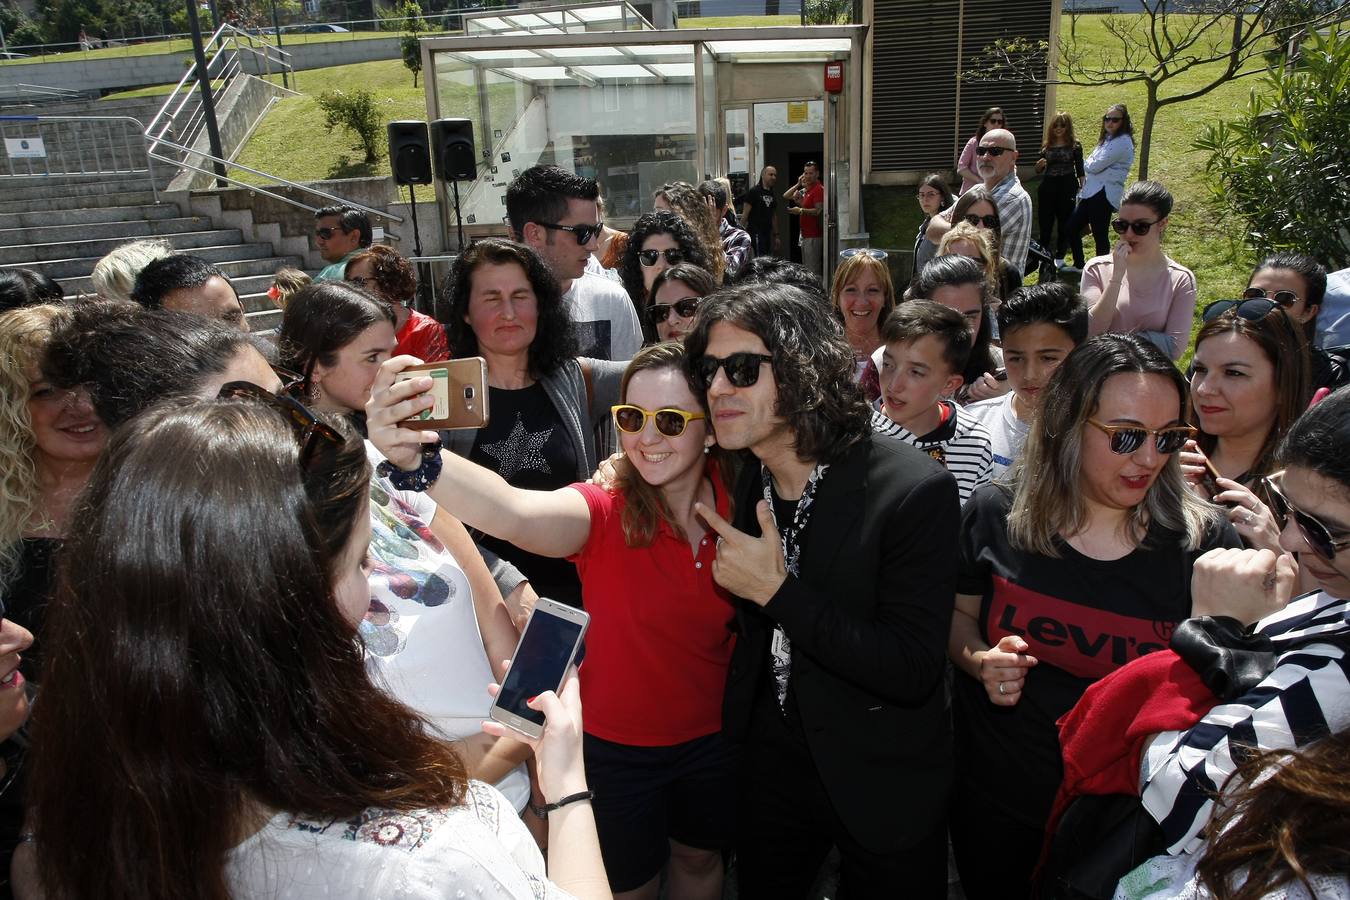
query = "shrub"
x=358 y=112
x=1281 y=163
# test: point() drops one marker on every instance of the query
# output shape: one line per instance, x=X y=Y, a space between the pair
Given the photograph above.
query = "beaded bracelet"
x=419 y=479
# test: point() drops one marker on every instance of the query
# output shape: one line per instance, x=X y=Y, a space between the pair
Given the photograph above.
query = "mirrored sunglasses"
x=1126 y=439
x=1314 y=532
x=649 y=258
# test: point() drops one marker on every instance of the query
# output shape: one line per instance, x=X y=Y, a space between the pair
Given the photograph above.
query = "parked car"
x=323 y=28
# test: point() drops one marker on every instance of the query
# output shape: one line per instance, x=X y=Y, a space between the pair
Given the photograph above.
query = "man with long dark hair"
x=841 y=556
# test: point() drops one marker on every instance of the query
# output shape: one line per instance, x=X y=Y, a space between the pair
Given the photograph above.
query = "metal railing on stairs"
x=75 y=146
x=172 y=135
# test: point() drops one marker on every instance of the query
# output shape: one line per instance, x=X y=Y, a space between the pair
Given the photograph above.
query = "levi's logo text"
x=1081 y=640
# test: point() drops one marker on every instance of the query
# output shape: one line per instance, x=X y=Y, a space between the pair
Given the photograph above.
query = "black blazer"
x=868 y=619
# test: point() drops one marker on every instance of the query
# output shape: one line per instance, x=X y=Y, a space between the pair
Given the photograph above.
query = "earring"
x=707 y=448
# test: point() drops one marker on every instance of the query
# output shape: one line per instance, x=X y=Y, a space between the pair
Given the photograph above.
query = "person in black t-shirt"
x=759 y=208
x=1080 y=565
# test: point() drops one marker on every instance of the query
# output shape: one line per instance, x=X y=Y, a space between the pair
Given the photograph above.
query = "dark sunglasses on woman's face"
x=1283 y=298
x=1251 y=310
x=649 y=258
x=990 y=222
x=1113 y=118
x=1139 y=226
x=1126 y=439
x=312 y=433
x=742 y=369
x=671 y=422
x=583 y=233
x=685 y=308
x=1314 y=532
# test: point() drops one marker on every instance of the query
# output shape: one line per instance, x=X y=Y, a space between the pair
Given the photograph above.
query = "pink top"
x=967 y=161
x=1164 y=305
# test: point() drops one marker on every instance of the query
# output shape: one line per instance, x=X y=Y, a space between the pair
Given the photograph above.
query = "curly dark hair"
x=395 y=278
x=661 y=221
x=555 y=339
x=813 y=367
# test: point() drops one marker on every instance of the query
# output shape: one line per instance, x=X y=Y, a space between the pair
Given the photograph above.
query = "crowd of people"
x=895 y=570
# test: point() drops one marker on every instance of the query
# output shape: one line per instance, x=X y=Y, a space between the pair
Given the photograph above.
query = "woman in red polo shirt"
x=660 y=638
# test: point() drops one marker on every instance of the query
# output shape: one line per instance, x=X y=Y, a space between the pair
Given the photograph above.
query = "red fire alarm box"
x=834 y=78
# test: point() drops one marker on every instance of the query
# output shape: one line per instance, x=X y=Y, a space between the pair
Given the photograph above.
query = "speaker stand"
x=459 y=221
x=417 y=235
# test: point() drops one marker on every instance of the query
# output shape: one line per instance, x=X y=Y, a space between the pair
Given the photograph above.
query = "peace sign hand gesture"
x=749 y=567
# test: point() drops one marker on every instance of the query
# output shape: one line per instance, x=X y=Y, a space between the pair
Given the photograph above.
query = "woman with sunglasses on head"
x=674 y=299
x=335 y=335
x=1060 y=164
x=862 y=296
x=1139 y=288
x=1082 y=563
x=660 y=627
x=1249 y=382
x=436 y=615
x=548 y=406
x=1106 y=169
x=384 y=273
x=659 y=240
x=254 y=754
x=1298 y=283
x=934 y=197
x=683 y=198
x=965 y=164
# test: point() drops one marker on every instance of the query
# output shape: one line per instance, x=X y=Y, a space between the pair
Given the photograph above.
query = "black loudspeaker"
x=409 y=152
x=452 y=146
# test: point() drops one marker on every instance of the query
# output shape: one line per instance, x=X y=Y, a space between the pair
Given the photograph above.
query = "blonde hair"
x=287 y=281
x=24 y=334
x=115 y=274
x=983 y=242
x=850 y=270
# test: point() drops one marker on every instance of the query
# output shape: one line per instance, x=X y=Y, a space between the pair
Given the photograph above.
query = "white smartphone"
x=546 y=649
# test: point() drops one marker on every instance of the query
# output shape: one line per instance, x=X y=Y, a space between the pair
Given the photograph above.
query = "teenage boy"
x=1040 y=325
x=926 y=347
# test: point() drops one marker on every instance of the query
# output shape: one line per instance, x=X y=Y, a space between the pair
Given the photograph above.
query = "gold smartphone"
x=460 y=389
x=547 y=647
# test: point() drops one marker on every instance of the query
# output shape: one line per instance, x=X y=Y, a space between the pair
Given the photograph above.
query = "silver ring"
x=719 y=545
x=1001 y=691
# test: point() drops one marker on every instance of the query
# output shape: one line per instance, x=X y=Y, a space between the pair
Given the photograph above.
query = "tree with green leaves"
x=1281 y=164
x=357 y=111
x=1152 y=48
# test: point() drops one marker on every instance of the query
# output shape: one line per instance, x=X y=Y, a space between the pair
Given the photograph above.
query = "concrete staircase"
x=62 y=225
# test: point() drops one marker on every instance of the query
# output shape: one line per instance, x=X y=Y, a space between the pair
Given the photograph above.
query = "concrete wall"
x=120 y=73
x=238 y=112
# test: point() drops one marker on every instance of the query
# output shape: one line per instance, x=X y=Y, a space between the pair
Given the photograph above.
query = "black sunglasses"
x=1314 y=532
x=1139 y=226
x=1283 y=298
x=1113 y=118
x=742 y=369
x=990 y=151
x=648 y=258
x=327 y=233
x=583 y=233
x=987 y=221
x=312 y=433
x=1126 y=439
x=685 y=308
x=290 y=380
x=1251 y=310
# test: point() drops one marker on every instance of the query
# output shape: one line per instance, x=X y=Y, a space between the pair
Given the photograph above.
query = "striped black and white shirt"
x=1306 y=697
x=960 y=443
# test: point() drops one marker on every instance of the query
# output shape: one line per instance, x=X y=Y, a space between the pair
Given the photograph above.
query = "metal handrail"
x=279 y=181
x=98 y=147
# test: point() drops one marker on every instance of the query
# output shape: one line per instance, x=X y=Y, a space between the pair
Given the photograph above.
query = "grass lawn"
x=1199 y=237
x=184 y=46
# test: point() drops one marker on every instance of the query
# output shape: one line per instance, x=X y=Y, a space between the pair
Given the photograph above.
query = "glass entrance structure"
x=635 y=107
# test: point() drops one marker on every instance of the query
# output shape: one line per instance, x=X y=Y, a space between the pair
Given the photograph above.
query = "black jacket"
x=868 y=619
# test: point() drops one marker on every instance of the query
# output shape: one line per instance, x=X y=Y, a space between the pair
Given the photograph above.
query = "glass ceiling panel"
x=539 y=73
x=675 y=70
x=583 y=52
x=615 y=72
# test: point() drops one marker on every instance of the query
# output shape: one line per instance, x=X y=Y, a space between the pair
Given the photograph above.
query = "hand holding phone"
x=459 y=389
x=546 y=650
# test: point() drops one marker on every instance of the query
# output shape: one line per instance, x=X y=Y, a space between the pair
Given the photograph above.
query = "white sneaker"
x=1059 y=262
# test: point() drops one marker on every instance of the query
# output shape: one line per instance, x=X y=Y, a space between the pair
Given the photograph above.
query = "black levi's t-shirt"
x=1082 y=619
